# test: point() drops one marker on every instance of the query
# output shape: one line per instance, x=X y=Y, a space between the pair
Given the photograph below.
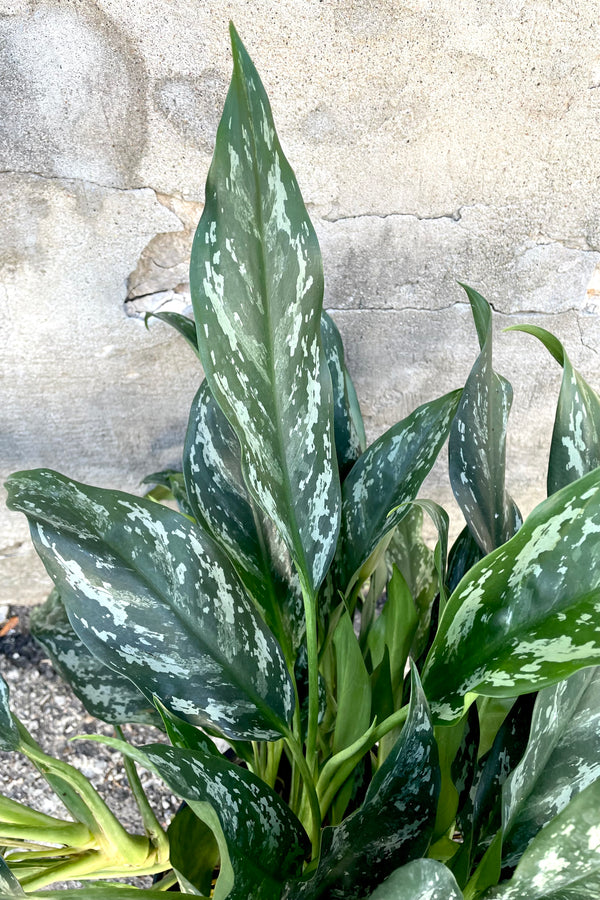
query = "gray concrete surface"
x=433 y=142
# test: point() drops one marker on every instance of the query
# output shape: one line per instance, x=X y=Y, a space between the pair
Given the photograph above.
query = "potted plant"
x=440 y=744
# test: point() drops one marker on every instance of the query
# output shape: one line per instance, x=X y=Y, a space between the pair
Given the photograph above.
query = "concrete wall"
x=434 y=141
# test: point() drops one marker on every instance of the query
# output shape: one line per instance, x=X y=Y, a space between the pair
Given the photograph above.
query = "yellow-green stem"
x=312 y=648
x=314 y=830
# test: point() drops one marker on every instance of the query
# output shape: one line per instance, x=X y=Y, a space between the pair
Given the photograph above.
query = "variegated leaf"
x=575 y=446
x=394 y=823
x=563 y=860
x=212 y=467
x=9 y=886
x=9 y=736
x=350 y=440
x=477 y=444
x=257 y=291
x=421 y=879
x=386 y=476
x=526 y=615
x=561 y=759
x=154 y=597
x=104 y=693
x=261 y=841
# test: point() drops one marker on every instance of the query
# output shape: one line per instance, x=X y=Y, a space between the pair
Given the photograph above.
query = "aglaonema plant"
x=441 y=744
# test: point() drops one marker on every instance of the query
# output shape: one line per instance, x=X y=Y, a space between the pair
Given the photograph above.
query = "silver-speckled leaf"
x=575 y=446
x=561 y=759
x=212 y=466
x=262 y=842
x=9 y=736
x=477 y=444
x=563 y=860
x=386 y=476
x=154 y=597
x=350 y=439
x=257 y=290
x=395 y=822
x=104 y=693
x=526 y=615
x=421 y=879
x=9 y=886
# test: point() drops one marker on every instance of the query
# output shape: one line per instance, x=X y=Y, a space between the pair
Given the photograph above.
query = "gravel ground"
x=52 y=714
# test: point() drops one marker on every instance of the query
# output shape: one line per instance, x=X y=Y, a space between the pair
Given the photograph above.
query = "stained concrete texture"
x=434 y=142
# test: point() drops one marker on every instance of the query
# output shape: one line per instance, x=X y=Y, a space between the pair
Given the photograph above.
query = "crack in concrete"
x=539 y=313
x=454 y=216
x=83 y=181
x=18 y=549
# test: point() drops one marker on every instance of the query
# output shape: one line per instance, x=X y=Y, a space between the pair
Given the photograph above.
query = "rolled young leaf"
x=154 y=597
x=104 y=693
x=477 y=443
x=257 y=291
x=385 y=477
x=575 y=447
x=525 y=616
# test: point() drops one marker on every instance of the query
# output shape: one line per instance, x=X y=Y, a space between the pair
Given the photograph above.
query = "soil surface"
x=52 y=714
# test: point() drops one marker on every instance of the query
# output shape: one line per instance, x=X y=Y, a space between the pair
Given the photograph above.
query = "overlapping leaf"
x=104 y=693
x=261 y=841
x=219 y=497
x=9 y=886
x=394 y=823
x=525 y=616
x=388 y=475
x=563 y=860
x=154 y=597
x=421 y=879
x=257 y=290
x=561 y=759
x=9 y=735
x=477 y=444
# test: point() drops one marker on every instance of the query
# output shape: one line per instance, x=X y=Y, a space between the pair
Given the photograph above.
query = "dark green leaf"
x=194 y=851
x=421 y=879
x=525 y=616
x=154 y=597
x=477 y=444
x=9 y=886
x=182 y=734
x=464 y=553
x=563 y=860
x=184 y=325
x=350 y=440
x=385 y=477
x=261 y=842
x=257 y=290
x=104 y=693
x=9 y=735
x=212 y=466
x=561 y=759
x=575 y=446
x=394 y=823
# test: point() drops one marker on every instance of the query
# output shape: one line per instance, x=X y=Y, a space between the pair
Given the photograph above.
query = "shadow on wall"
x=72 y=96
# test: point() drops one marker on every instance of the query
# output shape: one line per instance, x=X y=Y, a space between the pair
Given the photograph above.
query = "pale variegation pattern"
x=563 y=860
x=9 y=736
x=526 y=615
x=477 y=444
x=266 y=843
x=257 y=286
x=104 y=693
x=155 y=598
x=561 y=759
x=212 y=467
x=388 y=475
x=394 y=823
x=421 y=879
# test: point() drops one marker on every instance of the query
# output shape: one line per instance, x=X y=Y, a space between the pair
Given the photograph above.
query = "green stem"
x=274 y=751
x=312 y=647
x=71 y=834
x=152 y=826
x=309 y=787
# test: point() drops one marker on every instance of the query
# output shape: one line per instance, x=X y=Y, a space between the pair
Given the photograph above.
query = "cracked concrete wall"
x=434 y=142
